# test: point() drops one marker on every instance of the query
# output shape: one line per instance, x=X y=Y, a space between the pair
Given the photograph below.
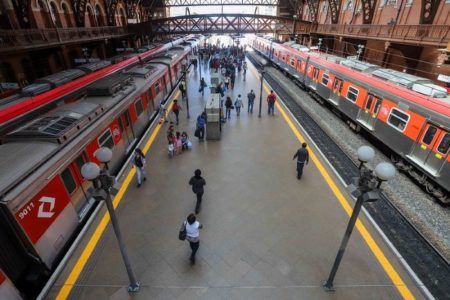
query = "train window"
x=106 y=139
x=68 y=180
x=292 y=62
x=352 y=94
x=429 y=135
x=369 y=102
x=80 y=161
x=398 y=119
x=138 y=106
x=337 y=85
x=444 y=145
x=325 y=79
x=119 y=120
x=157 y=88
x=377 y=106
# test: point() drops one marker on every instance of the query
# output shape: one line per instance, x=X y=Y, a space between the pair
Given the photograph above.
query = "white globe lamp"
x=90 y=171
x=103 y=154
x=385 y=171
x=365 y=154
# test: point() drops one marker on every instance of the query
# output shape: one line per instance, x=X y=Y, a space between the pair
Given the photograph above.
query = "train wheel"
x=445 y=199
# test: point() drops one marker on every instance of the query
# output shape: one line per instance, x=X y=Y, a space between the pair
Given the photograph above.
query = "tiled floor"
x=266 y=235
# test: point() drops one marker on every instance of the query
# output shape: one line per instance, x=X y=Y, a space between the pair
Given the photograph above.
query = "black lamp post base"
x=328 y=287
x=134 y=288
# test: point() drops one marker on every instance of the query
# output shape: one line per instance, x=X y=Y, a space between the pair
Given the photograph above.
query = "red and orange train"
x=43 y=197
x=408 y=114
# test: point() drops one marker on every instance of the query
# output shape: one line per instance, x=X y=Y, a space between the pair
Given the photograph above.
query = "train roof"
x=19 y=158
x=171 y=56
x=416 y=90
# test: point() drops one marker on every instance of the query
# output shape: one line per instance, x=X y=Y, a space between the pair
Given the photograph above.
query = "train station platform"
x=266 y=234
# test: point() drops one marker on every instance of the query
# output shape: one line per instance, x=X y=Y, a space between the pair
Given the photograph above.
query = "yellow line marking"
x=83 y=259
x=387 y=266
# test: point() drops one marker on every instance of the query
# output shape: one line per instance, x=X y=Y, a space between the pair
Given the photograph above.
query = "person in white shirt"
x=193 y=234
x=238 y=104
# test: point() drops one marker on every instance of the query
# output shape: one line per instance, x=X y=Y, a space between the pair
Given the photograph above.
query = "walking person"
x=182 y=88
x=192 y=227
x=176 y=109
x=302 y=156
x=238 y=104
x=139 y=163
x=244 y=67
x=228 y=107
x=202 y=86
x=201 y=121
x=251 y=100
x=232 y=79
x=227 y=82
x=197 y=182
x=271 y=102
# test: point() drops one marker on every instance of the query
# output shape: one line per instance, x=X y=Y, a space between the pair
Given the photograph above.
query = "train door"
x=126 y=128
x=368 y=115
x=337 y=88
x=77 y=186
x=313 y=83
x=432 y=148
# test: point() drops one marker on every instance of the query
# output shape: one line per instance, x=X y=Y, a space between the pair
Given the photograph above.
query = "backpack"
x=138 y=161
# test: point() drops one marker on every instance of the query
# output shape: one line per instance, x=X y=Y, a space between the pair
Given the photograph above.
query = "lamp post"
x=103 y=187
x=186 y=92
x=263 y=64
x=366 y=188
x=360 y=50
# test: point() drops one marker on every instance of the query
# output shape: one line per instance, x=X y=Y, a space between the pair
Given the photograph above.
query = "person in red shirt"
x=176 y=109
x=271 y=102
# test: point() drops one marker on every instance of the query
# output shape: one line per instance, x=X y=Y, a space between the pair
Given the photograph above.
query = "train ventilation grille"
x=110 y=85
x=59 y=125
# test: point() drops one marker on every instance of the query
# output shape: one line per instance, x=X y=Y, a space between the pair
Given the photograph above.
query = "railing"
x=424 y=34
x=30 y=38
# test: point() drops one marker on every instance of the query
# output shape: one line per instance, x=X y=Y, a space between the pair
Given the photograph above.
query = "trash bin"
x=213 y=125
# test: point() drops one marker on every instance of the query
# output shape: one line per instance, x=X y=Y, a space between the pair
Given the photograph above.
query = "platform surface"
x=266 y=234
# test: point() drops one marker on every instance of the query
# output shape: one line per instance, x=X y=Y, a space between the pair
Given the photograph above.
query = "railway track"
x=428 y=264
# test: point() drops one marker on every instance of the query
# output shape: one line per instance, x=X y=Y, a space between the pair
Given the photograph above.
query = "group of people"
x=177 y=142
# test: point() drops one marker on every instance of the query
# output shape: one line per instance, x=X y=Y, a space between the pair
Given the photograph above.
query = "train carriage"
x=409 y=114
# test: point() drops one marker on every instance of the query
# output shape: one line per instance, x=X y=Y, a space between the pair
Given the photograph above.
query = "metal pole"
x=261 y=92
x=328 y=285
x=134 y=284
x=187 y=95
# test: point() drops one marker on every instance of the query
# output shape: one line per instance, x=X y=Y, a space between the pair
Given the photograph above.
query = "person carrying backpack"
x=202 y=86
x=138 y=163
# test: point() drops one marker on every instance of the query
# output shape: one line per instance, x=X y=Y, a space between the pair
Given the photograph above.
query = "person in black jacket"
x=198 y=182
x=302 y=156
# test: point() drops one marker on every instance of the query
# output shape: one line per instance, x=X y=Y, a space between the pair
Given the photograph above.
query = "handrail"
x=432 y=34
x=10 y=39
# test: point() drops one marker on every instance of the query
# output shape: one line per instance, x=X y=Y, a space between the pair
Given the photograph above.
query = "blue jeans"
x=250 y=107
x=300 y=166
x=140 y=174
x=228 y=112
x=271 y=108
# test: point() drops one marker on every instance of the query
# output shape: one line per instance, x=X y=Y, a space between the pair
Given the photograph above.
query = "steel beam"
x=218 y=23
x=174 y=3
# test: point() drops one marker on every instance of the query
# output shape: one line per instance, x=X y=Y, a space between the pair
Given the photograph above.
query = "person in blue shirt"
x=201 y=121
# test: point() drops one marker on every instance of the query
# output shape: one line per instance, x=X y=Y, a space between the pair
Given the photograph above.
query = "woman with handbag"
x=190 y=230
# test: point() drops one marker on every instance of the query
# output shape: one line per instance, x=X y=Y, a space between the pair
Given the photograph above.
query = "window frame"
x=425 y=133
x=73 y=179
x=138 y=101
x=438 y=144
x=392 y=125
x=108 y=130
x=328 y=79
x=348 y=92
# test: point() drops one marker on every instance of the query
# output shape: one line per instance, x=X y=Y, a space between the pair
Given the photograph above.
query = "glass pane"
x=139 y=108
x=444 y=145
x=80 y=161
x=377 y=106
x=68 y=180
x=369 y=102
x=106 y=140
x=429 y=135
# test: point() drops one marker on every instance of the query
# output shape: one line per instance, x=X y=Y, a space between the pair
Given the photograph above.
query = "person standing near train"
x=139 y=163
x=302 y=156
x=271 y=103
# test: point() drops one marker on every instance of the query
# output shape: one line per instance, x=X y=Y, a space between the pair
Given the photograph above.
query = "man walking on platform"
x=271 y=102
x=200 y=130
x=198 y=182
x=176 y=109
x=302 y=156
x=251 y=99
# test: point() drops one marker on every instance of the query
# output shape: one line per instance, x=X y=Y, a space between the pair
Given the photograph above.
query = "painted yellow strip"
x=387 y=266
x=83 y=259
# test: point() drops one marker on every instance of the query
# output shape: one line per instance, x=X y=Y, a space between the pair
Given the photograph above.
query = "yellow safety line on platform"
x=83 y=259
x=382 y=259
